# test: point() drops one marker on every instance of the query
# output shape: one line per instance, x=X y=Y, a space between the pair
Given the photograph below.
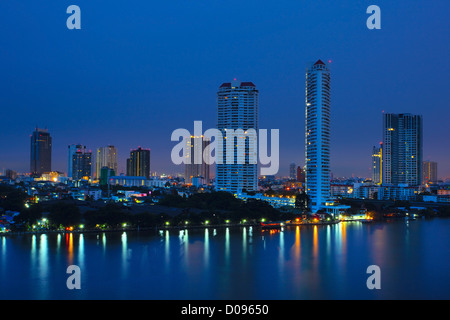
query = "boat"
x=271 y=225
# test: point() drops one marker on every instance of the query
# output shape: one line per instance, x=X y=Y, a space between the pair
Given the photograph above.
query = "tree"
x=12 y=198
x=29 y=216
x=302 y=202
x=65 y=214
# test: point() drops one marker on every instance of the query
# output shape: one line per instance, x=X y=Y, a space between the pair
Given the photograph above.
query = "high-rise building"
x=105 y=174
x=41 y=152
x=429 y=172
x=71 y=150
x=237 y=108
x=106 y=157
x=81 y=164
x=292 y=171
x=377 y=164
x=317 y=142
x=138 y=165
x=402 y=149
x=300 y=174
x=196 y=168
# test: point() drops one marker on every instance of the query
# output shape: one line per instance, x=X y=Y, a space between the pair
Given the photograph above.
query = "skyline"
x=105 y=86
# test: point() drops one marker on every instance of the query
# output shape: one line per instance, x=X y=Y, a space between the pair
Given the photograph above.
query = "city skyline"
x=124 y=98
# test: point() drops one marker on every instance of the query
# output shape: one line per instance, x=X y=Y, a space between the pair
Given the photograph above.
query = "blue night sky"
x=137 y=70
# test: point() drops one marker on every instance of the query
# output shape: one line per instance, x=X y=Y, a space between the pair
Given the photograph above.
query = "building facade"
x=402 y=149
x=81 y=164
x=237 y=108
x=197 y=168
x=317 y=140
x=300 y=175
x=429 y=172
x=138 y=165
x=41 y=152
x=106 y=157
x=292 y=171
x=377 y=164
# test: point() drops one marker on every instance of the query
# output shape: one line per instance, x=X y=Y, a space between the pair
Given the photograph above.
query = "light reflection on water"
x=302 y=262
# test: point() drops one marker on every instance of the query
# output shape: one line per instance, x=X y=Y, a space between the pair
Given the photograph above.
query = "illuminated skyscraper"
x=377 y=164
x=81 y=164
x=292 y=171
x=237 y=108
x=41 y=152
x=138 y=165
x=317 y=142
x=402 y=149
x=196 y=168
x=429 y=172
x=106 y=157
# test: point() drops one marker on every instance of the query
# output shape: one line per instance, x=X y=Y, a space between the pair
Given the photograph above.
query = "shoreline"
x=184 y=227
x=159 y=228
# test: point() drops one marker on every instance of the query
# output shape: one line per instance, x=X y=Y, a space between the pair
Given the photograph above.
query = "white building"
x=398 y=192
x=237 y=107
x=274 y=201
x=317 y=140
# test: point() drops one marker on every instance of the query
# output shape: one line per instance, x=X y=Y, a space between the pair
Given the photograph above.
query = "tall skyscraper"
x=71 y=150
x=41 y=152
x=377 y=164
x=200 y=168
x=402 y=149
x=317 y=142
x=237 y=108
x=300 y=175
x=292 y=171
x=429 y=172
x=106 y=157
x=138 y=165
x=81 y=164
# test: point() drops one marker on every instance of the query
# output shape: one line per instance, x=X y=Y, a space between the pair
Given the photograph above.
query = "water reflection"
x=206 y=249
x=244 y=245
x=123 y=239
x=33 y=252
x=302 y=262
x=69 y=247
x=186 y=246
x=167 y=249
x=227 y=247
x=43 y=256
x=81 y=251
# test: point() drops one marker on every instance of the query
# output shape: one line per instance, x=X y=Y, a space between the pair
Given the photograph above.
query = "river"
x=306 y=262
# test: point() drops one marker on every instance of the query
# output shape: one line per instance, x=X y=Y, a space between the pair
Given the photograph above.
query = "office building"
x=81 y=164
x=41 y=152
x=71 y=151
x=237 y=108
x=402 y=149
x=196 y=168
x=300 y=175
x=377 y=163
x=317 y=141
x=429 y=172
x=292 y=171
x=138 y=165
x=105 y=174
x=106 y=157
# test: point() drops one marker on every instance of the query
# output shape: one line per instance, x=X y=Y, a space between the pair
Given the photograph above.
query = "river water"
x=307 y=262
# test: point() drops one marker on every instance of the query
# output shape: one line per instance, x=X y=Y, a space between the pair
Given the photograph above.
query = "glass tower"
x=402 y=149
x=41 y=152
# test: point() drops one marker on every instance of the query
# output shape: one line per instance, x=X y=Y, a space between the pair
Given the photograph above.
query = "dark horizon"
x=134 y=74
